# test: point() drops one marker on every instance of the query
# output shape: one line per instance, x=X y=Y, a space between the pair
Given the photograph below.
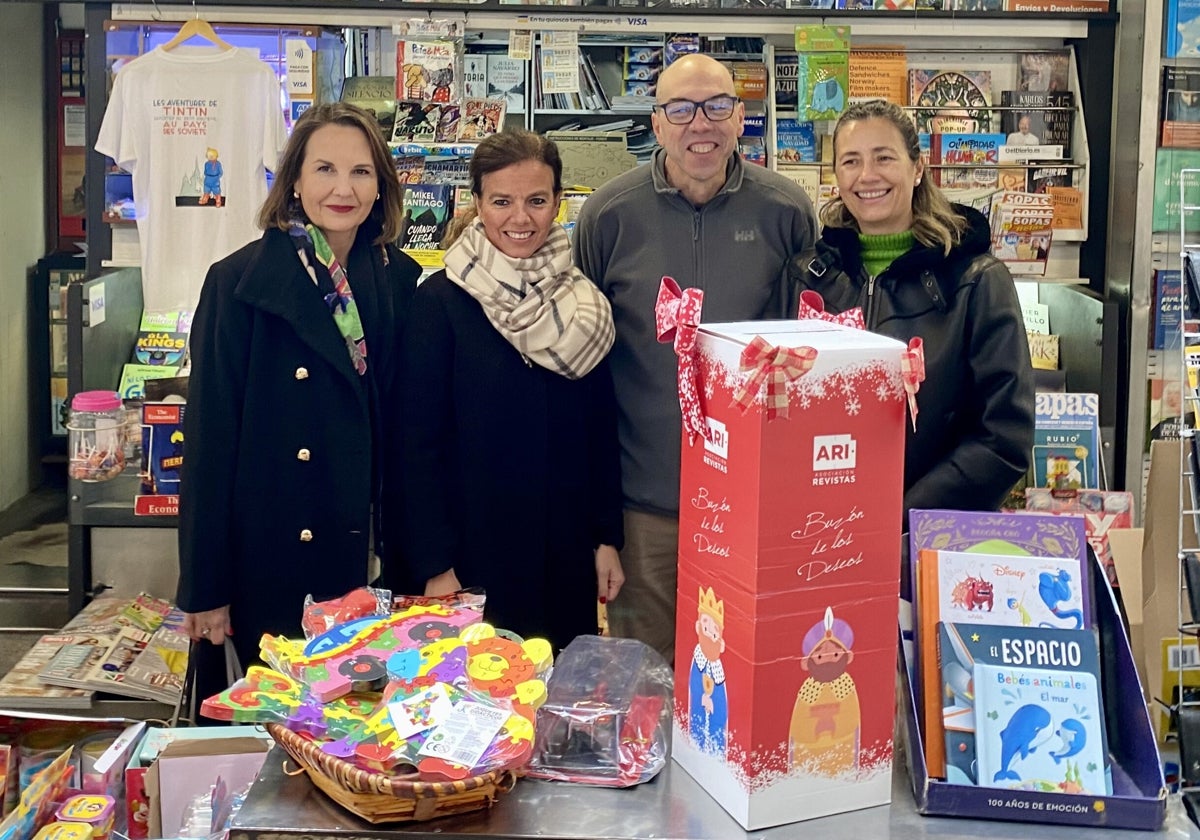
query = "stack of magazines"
x=132 y=647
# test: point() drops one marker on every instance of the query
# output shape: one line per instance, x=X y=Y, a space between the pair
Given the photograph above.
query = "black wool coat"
x=286 y=448
x=512 y=472
x=974 y=435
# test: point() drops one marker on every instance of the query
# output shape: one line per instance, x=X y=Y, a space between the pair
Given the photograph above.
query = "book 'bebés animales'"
x=1039 y=720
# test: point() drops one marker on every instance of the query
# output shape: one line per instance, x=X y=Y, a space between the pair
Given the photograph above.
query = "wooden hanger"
x=192 y=28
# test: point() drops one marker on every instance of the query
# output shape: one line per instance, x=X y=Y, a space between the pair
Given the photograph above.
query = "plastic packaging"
x=322 y=616
x=607 y=717
x=97 y=436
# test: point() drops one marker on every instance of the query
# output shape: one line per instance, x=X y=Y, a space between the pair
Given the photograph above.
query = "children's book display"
x=1020 y=683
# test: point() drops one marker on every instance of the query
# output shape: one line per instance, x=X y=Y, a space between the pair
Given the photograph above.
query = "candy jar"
x=97 y=436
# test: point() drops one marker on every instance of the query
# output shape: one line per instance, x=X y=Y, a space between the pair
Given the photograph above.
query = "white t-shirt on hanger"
x=197 y=127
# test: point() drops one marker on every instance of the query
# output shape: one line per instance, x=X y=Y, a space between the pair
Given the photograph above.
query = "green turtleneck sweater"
x=878 y=252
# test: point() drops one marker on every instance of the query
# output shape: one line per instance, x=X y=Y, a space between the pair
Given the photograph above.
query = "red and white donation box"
x=789 y=562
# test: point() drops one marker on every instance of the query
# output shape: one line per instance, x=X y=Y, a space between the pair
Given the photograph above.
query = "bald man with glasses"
x=698 y=213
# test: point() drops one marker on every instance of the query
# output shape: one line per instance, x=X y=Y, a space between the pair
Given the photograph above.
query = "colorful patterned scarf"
x=543 y=305
x=312 y=249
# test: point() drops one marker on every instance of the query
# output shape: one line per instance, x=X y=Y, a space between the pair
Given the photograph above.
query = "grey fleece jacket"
x=637 y=228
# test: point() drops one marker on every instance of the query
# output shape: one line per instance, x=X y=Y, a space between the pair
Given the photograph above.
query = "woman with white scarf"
x=512 y=475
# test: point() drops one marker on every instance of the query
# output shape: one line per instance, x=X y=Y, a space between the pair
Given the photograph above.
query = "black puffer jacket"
x=975 y=427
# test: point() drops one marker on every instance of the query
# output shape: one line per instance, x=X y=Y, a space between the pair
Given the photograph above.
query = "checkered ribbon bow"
x=676 y=317
x=812 y=308
x=776 y=366
x=912 y=372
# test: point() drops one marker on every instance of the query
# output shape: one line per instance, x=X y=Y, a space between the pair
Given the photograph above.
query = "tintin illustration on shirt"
x=708 y=708
x=204 y=186
x=824 y=735
x=212 y=178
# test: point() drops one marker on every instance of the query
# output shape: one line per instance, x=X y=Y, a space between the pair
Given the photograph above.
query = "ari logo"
x=834 y=452
x=717 y=441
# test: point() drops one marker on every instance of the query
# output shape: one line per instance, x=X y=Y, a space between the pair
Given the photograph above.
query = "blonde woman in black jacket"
x=919 y=267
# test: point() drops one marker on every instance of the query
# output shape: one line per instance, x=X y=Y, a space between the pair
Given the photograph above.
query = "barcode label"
x=466 y=734
x=1183 y=656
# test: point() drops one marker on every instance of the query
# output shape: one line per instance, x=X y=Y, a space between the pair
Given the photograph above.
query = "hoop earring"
x=377 y=196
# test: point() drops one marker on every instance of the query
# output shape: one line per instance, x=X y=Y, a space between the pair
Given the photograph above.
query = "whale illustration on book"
x=1074 y=737
x=1018 y=737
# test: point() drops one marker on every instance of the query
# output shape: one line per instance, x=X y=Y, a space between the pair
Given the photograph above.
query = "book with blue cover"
x=993 y=589
x=1038 y=714
x=1168 y=309
x=962 y=161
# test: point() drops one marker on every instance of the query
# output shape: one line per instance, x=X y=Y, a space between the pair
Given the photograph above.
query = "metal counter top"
x=671 y=807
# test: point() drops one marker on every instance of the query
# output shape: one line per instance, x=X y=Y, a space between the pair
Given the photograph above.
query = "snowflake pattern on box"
x=759 y=769
x=849 y=387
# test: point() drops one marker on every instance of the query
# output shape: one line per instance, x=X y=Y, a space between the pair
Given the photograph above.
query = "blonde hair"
x=282 y=206
x=935 y=224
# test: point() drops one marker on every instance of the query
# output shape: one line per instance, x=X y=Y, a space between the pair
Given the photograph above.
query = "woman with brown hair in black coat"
x=290 y=435
x=511 y=469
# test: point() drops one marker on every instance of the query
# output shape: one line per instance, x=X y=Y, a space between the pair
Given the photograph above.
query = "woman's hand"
x=443 y=584
x=212 y=625
x=609 y=575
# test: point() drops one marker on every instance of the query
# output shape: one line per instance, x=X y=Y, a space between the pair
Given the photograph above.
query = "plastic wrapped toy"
x=607 y=719
x=321 y=616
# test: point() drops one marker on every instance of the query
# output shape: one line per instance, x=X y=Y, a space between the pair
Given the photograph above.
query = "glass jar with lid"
x=96 y=436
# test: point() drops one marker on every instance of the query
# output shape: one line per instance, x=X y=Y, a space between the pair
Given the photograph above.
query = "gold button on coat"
x=302 y=373
x=306 y=535
x=303 y=455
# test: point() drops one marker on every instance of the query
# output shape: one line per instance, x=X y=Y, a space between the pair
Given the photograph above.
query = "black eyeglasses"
x=682 y=111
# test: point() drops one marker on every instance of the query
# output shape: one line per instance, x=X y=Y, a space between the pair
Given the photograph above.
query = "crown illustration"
x=709 y=605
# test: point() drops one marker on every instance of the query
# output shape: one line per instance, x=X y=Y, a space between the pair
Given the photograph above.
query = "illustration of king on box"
x=824 y=734
x=708 y=706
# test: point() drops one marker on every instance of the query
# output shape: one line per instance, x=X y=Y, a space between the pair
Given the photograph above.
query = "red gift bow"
x=812 y=308
x=912 y=372
x=677 y=317
x=776 y=366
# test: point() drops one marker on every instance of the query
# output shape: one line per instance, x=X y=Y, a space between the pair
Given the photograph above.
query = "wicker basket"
x=379 y=797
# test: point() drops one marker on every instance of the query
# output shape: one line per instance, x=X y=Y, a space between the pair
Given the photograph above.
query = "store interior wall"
x=22 y=232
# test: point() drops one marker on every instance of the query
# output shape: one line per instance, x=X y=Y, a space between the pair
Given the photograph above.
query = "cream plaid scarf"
x=543 y=305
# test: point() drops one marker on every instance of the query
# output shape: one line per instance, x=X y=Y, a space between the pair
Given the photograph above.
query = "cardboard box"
x=186 y=769
x=1139 y=797
x=137 y=800
x=1160 y=566
x=789 y=554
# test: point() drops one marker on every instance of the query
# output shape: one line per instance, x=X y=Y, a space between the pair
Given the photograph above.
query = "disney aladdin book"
x=1039 y=719
x=999 y=589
